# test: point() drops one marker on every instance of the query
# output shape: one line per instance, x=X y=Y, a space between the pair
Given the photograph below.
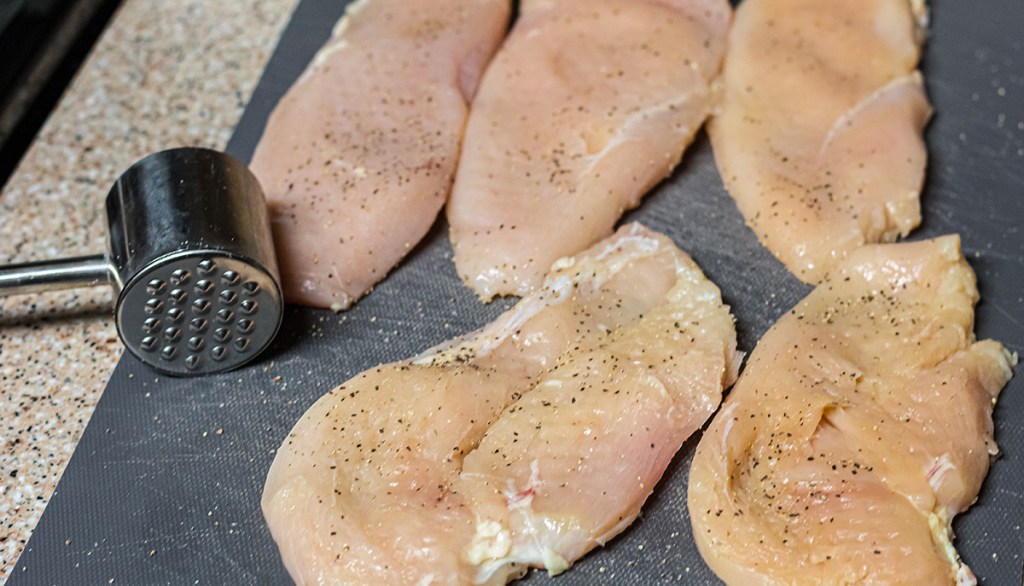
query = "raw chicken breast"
x=819 y=134
x=526 y=443
x=587 y=105
x=861 y=425
x=358 y=157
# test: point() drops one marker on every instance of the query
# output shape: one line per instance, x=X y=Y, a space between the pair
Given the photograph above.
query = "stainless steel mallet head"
x=191 y=258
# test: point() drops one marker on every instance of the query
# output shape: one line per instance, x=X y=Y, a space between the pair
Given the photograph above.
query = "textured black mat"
x=165 y=484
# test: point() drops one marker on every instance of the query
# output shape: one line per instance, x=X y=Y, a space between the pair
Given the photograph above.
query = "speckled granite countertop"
x=164 y=74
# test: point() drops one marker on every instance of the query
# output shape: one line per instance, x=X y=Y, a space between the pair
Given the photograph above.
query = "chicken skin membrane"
x=818 y=136
x=861 y=425
x=586 y=106
x=358 y=157
x=524 y=444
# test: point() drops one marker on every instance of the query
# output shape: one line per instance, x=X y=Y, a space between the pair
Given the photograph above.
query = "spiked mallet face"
x=191 y=257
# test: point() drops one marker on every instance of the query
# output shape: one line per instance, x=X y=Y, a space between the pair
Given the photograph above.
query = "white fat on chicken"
x=861 y=426
x=524 y=444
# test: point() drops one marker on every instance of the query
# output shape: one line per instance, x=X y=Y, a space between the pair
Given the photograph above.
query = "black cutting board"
x=164 y=487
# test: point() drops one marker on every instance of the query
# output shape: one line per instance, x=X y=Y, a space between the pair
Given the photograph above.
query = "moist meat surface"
x=861 y=425
x=359 y=156
x=526 y=443
x=818 y=136
x=587 y=105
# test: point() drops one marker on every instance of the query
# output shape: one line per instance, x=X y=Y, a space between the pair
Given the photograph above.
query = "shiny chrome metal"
x=183 y=325
x=54 y=275
x=191 y=258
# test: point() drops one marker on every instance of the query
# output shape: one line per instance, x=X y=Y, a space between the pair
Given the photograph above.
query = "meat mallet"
x=191 y=259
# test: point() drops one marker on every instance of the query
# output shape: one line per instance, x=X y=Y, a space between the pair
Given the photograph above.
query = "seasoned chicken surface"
x=524 y=444
x=861 y=425
x=586 y=106
x=359 y=156
x=819 y=133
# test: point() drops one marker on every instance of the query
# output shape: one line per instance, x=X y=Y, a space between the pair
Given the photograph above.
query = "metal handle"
x=54 y=275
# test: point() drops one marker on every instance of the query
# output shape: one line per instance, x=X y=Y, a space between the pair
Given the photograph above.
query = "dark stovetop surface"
x=42 y=44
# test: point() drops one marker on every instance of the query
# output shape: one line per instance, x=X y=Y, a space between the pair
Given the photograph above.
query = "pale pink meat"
x=358 y=158
x=818 y=136
x=587 y=105
x=860 y=427
x=524 y=444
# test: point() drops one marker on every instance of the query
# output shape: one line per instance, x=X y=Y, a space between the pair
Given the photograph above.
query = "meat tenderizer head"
x=191 y=258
